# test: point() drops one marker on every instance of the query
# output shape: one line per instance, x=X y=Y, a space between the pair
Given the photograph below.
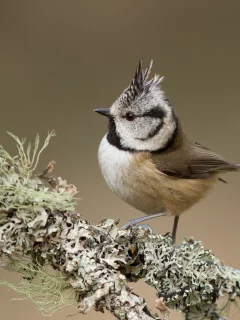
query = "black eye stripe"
x=155 y=113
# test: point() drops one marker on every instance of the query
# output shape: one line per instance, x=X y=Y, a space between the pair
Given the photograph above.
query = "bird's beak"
x=103 y=111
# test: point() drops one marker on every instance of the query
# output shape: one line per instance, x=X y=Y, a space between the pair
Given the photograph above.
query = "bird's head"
x=142 y=118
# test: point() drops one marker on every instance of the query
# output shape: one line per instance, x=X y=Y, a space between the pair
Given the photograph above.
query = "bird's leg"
x=174 y=231
x=133 y=222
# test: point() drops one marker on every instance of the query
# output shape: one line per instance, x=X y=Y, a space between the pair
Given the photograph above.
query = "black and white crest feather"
x=140 y=85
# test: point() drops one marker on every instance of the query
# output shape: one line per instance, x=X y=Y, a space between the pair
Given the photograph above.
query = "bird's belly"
x=158 y=192
x=136 y=181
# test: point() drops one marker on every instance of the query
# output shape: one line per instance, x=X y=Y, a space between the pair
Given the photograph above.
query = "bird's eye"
x=130 y=116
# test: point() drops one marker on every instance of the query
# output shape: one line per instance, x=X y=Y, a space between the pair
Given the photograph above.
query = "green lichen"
x=20 y=189
x=26 y=161
x=49 y=292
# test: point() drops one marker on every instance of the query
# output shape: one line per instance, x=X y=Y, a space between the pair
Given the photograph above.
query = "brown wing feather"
x=191 y=161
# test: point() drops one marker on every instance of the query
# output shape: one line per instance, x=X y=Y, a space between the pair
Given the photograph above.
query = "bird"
x=146 y=158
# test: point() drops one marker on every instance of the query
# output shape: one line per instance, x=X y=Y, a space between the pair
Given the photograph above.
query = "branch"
x=38 y=228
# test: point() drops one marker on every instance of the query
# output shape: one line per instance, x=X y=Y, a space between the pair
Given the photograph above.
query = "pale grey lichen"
x=190 y=272
x=96 y=262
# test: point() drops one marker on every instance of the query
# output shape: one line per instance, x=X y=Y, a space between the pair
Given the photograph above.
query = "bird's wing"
x=193 y=162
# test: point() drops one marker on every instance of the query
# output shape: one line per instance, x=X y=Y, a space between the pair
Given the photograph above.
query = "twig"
x=44 y=175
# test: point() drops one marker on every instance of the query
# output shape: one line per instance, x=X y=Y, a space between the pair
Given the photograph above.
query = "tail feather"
x=222 y=180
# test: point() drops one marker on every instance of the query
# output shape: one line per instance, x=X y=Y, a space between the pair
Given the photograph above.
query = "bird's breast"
x=114 y=164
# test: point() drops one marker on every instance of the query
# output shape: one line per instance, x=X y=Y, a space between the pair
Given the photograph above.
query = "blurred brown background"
x=61 y=59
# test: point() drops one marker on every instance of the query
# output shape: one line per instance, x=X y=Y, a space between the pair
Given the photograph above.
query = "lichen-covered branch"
x=93 y=264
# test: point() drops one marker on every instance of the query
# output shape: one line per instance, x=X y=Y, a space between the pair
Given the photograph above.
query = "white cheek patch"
x=149 y=127
x=134 y=136
x=144 y=127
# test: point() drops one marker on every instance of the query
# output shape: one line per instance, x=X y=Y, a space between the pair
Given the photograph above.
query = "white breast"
x=114 y=164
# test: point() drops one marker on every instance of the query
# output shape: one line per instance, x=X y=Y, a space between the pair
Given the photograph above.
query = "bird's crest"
x=140 y=85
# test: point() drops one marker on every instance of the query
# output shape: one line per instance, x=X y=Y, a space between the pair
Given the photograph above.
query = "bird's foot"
x=132 y=224
x=145 y=227
x=136 y=221
x=128 y=225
